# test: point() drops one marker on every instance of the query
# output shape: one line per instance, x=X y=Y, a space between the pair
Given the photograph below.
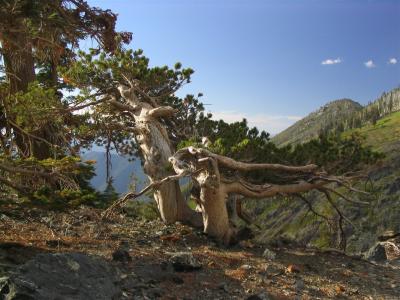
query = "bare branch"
x=341 y=182
x=78 y=107
x=262 y=191
x=330 y=200
x=32 y=135
x=346 y=198
x=245 y=167
x=24 y=171
x=154 y=185
x=310 y=207
x=162 y=111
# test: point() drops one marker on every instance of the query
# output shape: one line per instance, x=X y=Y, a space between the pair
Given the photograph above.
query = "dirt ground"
x=239 y=272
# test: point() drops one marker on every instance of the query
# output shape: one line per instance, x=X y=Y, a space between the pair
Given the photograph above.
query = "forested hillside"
x=338 y=116
x=293 y=220
x=312 y=125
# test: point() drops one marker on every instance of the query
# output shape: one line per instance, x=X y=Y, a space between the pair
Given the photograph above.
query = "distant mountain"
x=310 y=126
x=123 y=171
x=339 y=115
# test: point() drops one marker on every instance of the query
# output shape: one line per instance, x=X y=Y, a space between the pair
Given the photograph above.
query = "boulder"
x=184 y=262
x=377 y=253
x=62 y=276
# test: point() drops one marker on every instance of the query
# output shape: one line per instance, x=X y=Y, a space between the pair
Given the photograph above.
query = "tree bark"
x=156 y=150
x=20 y=71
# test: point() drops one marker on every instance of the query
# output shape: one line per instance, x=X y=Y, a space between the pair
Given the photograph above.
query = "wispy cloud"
x=331 y=61
x=392 y=61
x=369 y=64
x=270 y=123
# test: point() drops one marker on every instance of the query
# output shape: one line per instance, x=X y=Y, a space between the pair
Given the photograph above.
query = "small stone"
x=224 y=287
x=121 y=256
x=269 y=254
x=273 y=271
x=246 y=267
x=260 y=296
x=184 y=262
x=299 y=285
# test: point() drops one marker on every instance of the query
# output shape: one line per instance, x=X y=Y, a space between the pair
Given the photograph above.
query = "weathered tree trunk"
x=203 y=166
x=156 y=149
x=215 y=214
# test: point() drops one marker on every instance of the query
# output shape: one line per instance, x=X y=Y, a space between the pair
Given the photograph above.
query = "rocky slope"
x=140 y=259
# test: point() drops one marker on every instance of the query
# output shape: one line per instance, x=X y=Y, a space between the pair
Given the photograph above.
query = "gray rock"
x=269 y=254
x=224 y=287
x=62 y=276
x=299 y=285
x=261 y=296
x=272 y=271
x=377 y=253
x=184 y=262
x=121 y=256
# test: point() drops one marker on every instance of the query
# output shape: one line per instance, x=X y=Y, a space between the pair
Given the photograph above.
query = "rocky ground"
x=129 y=258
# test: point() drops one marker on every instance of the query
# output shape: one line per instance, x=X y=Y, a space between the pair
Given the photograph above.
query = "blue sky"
x=262 y=59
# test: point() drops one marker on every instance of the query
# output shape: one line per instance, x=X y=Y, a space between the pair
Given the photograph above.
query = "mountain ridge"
x=339 y=115
x=124 y=171
x=310 y=126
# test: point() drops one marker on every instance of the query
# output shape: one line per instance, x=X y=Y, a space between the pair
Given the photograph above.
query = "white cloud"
x=269 y=123
x=370 y=64
x=392 y=61
x=331 y=61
